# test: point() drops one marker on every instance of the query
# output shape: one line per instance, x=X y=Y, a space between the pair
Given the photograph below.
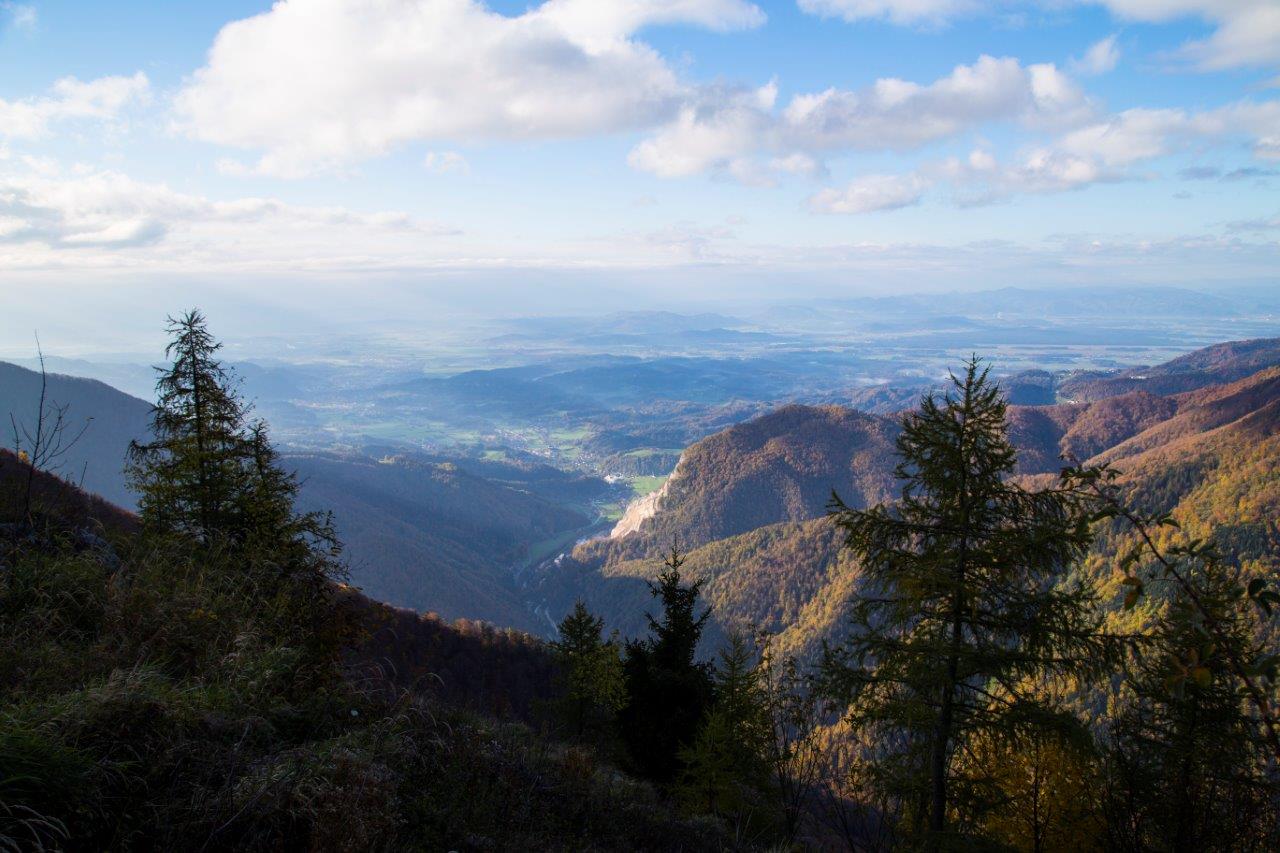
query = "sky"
x=399 y=158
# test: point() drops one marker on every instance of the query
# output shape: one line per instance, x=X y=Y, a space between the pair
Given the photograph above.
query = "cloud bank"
x=316 y=84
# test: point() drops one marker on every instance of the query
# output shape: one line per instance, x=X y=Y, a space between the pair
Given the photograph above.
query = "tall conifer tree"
x=210 y=472
x=668 y=691
x=192 y=473
x=591 y=669
x=726 y=768
x=964 y=606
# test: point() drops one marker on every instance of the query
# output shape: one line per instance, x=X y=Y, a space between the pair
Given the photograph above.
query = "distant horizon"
x=244 y=319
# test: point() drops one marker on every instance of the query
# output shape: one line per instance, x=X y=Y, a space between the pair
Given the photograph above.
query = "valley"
x=495 y=493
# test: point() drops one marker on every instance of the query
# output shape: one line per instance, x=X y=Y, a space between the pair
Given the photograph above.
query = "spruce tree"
x=191 y=475
x=726 y=769
x=210 y=473
x=668 y=692
x=1187 y=765
x=964 y=607
x=591 y=669
x=303 y=546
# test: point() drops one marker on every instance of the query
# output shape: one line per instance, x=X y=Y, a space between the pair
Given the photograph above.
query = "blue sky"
x=690 y=149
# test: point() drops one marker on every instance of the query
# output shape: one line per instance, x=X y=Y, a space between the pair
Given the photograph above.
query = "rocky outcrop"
x=643 y=508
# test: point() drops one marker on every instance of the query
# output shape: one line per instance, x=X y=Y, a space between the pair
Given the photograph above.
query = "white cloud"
x=445 y=163
x=1247 y=31
x=727 y=130
x=1101 y=57
x=719 y=130
x=981 y=179
x=1142 y=134
x=22 y=16
x=46 y=209
x=91 y=236
x=1126 y=138
x=1104 y=151
x=317 y=83
x=870 y=193
x=688 y=242
x=102 y=99
x=896 y=11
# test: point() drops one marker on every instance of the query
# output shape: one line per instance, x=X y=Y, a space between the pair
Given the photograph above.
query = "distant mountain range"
x=748 y=504
x=1219 y=363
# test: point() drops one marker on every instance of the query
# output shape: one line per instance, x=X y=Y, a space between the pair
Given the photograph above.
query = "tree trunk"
x=941 y=735
x=946 y=710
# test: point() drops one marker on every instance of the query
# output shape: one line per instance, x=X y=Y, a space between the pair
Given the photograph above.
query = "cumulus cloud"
x=1141 y=134
x=1105 y=151
x=978 y=179
x=870 y=193
x=317 y=83
x=982 y=179
x=1247 y=32
x=1108 y=150
x=718 y=130
x=597 y=23
x=70 y=99
x=1101 y=57
x=729 y=130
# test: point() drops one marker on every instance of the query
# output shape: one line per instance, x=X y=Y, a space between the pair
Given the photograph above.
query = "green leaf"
x=1202 y=675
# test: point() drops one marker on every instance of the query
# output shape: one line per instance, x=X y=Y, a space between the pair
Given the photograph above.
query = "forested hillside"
x=1212 y=365
x=1175 y=588
x=431 y=536
x=1207 y=455
x=778 y=467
